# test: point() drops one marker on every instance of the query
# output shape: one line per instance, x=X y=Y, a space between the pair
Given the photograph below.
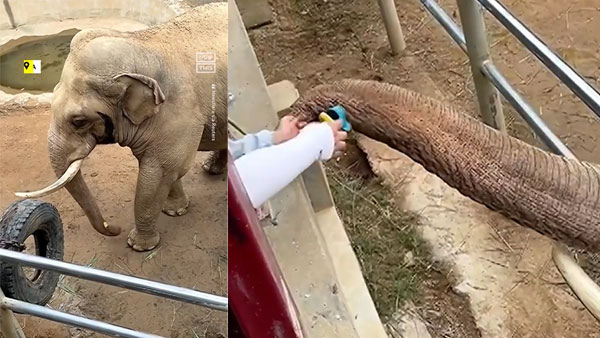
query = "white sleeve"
x=266 y=171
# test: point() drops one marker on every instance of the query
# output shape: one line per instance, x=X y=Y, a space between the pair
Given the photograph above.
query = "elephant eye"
x=79 y=122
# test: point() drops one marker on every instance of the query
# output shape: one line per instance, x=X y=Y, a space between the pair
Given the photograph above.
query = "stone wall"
x=26 y=12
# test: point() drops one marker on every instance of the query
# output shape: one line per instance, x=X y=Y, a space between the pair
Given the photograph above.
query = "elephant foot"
x=176 y=206
x=145 y=242
x=216 y=162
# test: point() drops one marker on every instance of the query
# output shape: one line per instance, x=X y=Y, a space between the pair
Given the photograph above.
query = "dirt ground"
x=317 y=41
x=570 y=28
x=192 y=252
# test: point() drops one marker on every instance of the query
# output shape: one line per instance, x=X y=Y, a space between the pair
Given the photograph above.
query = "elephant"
x=142 y=90
x=553 y=195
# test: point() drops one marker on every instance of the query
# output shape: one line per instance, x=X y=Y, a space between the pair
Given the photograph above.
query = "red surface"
x=260 y=303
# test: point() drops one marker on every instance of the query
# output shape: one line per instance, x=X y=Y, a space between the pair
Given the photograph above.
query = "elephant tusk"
x=71 y=171
x=584 y=287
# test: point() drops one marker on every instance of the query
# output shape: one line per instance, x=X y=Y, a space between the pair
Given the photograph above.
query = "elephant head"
x=108 y=88
x=556 y=196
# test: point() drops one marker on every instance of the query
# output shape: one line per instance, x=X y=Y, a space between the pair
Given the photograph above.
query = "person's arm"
x=250 y=142
x=266 y=171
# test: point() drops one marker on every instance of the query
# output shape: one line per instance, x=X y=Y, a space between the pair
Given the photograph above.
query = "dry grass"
x=383 y=238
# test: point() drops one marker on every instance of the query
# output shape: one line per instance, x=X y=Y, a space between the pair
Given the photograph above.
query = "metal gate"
x=11 y=329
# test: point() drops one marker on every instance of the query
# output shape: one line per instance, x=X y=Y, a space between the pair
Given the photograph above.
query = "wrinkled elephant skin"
x=142 y=91
x=556 y=196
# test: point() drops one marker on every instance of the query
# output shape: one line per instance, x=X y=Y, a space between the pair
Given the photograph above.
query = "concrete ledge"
x=37 y=19
x=148 y=12
x=13 y=38
x=282 y=94
x=255 y=12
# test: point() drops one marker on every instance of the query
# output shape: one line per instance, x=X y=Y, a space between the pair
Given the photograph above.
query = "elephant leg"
x=177 y=201
x=216 y=162
x=152 y=190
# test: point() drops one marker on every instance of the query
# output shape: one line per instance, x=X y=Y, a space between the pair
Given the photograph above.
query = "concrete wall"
x=36 y=19
x=27 y=12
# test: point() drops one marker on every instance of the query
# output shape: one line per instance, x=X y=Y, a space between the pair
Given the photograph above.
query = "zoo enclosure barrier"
x=489 y=81
x=8 y=321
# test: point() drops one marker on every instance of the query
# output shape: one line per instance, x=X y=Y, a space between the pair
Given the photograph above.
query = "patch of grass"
x=303 y=6
x=383 y=238
x=152 y=254
x=68 y=289
x=93 y=260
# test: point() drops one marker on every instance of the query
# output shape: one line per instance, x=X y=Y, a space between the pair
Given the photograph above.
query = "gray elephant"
x=553 y=195
x=142 y=90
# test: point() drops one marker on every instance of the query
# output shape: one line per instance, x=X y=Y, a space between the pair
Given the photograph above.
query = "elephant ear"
x=142 y=98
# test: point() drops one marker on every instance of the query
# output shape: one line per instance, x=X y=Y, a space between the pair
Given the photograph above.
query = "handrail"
x=106 y=277
x=115 y=279
x=565 y=73
x=69 y=319
x=527 y=112
x=447 y=23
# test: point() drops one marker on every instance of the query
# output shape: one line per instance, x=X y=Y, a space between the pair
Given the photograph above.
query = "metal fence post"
x=392 y=25
x=9 y=326
x=490 y=106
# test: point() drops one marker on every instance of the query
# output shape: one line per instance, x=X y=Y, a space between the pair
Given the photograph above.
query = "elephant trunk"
x=59 y=159
x=555 y=196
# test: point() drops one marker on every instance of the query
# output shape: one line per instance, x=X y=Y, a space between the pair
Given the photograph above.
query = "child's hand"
x=340 y=137
x=288 y=128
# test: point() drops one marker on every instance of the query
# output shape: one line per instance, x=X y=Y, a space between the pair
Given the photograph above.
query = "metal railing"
x=100 y=276
x=525 y=110
x=489 y=81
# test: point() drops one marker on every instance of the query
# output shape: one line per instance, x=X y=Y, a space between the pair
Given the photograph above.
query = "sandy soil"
x=192 y=252
x=570 y=28
x=312 y=42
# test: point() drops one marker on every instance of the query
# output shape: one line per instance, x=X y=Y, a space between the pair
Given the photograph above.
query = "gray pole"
x=66 y=318
x=587 y=93
x=392 y=25
x=115 y=279
x=9 y=327
x=473 y=25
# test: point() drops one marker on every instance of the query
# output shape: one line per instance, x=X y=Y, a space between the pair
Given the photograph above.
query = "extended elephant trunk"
x=555 y=196
x=71 y=178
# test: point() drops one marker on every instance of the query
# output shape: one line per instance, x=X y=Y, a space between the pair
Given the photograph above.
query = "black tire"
x=21 y=220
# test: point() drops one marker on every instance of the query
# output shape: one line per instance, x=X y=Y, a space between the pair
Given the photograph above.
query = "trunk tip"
x=110 y=230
